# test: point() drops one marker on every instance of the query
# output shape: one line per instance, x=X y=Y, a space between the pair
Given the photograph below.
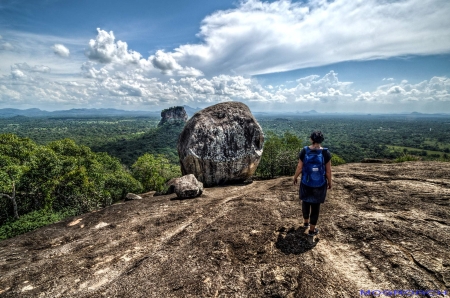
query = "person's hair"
x=317 y=137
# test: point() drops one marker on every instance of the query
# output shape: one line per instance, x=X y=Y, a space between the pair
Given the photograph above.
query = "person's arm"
x=298 y=171
x=328 y=173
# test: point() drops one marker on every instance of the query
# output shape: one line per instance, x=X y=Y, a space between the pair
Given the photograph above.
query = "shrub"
x=336 y=160
x=407 y=157
x=153 y=171
x=32 y=221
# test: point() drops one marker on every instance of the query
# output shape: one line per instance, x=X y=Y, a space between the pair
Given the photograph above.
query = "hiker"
x=315 y=165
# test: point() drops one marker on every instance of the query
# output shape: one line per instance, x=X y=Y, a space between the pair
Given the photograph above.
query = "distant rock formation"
x=221 y=144
x=173 y=114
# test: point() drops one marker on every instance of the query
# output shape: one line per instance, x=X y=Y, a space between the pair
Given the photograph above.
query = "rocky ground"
x=383 y=226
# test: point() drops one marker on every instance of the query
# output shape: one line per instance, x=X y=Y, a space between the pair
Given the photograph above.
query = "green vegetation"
x=407 y=157
x=158 y=140
x=51 y=168
x=88 y=131
x=61 y=178
x=154 y=171
x=369 y=136
x=32 y=221
x=418 y=152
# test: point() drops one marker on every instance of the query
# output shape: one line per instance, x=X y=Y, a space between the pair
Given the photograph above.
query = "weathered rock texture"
x=383 y=226
x=221 y=144
x=132 y=196
x=185 y=187
x=173 y=114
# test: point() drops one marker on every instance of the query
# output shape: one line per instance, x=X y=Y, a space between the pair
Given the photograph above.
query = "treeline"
x=88 y=131
x=158 y=140
x=45 y=183
x=358 y=137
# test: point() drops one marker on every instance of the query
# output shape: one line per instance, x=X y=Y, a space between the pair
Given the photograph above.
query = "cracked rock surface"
x=383 y=226
x=221 y=144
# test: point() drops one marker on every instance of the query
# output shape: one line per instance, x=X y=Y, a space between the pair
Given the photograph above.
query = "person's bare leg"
x=312 y=228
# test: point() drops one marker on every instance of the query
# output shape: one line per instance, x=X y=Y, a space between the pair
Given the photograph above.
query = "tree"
x=14 y=158
x=153 y=171
x=280 y=155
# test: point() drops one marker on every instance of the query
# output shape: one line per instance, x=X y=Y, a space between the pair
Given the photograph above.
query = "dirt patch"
x=383 y=226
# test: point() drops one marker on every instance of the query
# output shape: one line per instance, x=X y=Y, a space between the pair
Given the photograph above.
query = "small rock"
x=132 y=196
x=186 y=187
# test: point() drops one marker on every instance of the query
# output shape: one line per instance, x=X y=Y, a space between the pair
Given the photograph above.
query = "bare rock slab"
x=221 y=144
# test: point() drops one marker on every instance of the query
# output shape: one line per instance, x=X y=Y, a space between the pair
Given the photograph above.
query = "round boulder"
x=221 y=144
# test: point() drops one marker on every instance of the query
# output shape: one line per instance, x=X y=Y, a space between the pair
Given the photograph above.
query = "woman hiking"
x=315 y=166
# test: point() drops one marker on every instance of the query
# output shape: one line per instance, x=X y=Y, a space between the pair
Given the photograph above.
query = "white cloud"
x=6 y=46
x=60 y=50
x=263 y=37
x=115 y=75
x=109 y=86
x=17 y=74
x=25 y=67
x=316 y=89
x=36 y=49
x=116 y=57
x=437 y=90
x=165 y=62
x=104 y=49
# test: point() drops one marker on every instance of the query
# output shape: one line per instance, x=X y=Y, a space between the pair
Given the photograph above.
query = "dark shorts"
x=313 y=194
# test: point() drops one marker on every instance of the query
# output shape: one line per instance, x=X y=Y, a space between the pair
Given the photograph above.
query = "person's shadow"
x=293 y=241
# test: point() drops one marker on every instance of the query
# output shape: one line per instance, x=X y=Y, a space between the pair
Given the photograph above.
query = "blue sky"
x=352 y=56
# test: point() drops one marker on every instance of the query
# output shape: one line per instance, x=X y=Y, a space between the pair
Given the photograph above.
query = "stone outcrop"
x=131 y=196
x=185 y=187
x=221 y=144
x=172 y=115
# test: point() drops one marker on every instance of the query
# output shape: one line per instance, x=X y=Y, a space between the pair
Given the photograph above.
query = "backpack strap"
x=324 y=150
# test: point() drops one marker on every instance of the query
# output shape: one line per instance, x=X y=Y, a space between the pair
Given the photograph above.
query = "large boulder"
x=221 y=144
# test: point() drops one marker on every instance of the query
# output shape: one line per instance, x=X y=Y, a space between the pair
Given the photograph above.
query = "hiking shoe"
x=306 y=225
x=316 y=231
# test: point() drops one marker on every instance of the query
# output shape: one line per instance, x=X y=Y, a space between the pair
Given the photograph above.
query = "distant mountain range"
x=8 y=113
x=34 y=112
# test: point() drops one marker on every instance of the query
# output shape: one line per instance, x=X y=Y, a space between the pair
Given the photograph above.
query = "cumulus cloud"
x=263 y=37
x=437 y=89
x=116 y=57
x=115 y=76
x=105 y=49
x=17 y=74
x=61 y=50
x=135 y=87
x=164 y=62
x=317 y=89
